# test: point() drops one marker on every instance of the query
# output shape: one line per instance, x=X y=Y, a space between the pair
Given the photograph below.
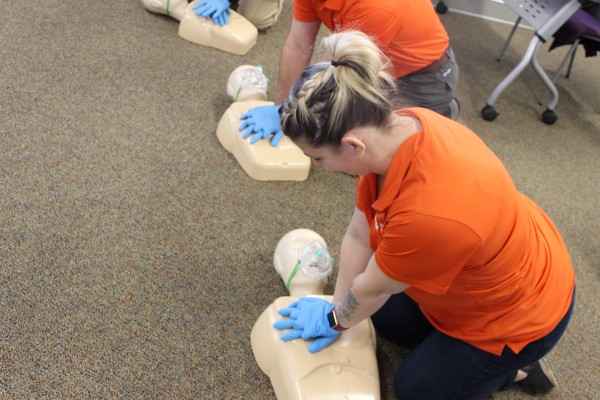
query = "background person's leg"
x=262 y=13
x=434 y=91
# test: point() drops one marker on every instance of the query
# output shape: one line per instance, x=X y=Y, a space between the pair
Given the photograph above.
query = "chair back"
x=545 y=16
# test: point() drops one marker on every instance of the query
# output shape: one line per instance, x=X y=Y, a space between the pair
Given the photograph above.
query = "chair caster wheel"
x=549 y=117
x=489 y=113
x=441 y=8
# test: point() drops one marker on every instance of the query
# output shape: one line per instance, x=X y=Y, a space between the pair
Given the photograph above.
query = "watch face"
x=331 y=319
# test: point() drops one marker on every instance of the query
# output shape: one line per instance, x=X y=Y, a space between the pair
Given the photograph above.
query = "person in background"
x=262 y=13
x=410 y=33
x=443 y=253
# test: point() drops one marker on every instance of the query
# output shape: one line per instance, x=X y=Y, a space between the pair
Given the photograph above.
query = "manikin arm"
x=295 y=55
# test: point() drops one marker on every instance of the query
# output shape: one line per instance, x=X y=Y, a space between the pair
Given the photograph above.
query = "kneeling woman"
x=442 y=252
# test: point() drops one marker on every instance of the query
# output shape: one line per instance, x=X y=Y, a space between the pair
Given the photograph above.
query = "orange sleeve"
x=366 y=194
x=425 y=252
x=304 y=11
x=362 y=192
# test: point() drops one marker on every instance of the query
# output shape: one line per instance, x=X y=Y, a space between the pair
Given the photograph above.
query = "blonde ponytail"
x=352 y=90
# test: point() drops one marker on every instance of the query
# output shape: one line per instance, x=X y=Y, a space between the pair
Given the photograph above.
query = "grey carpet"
x=135 y=252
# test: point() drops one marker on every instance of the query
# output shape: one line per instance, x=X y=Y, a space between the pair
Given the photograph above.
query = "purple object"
x=582 y=25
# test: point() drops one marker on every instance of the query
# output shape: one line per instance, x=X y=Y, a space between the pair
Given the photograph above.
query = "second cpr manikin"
x=263 y=162
x=346 y=369
x=237 y=37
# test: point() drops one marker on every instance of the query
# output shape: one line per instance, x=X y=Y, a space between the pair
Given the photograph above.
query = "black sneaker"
x=540 y=378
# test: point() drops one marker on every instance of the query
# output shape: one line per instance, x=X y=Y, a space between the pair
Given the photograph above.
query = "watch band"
x=334 y=322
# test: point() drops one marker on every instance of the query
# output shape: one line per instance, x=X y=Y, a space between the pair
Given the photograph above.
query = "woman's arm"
x=366 y=294
x=295 y=55
x=355 y=253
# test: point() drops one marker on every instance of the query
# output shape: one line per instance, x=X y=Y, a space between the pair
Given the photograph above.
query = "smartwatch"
x=334 y=322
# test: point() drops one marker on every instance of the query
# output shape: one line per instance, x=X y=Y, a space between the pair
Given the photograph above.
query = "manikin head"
x=285 y=260
x=172 y=8
x=243 y=84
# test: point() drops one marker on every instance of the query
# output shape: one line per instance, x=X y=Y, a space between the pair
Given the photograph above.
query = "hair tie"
x=338 y=63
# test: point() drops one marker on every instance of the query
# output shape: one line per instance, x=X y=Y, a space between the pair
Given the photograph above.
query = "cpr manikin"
x=261 y=13
x=237 y=37
x=346 y=369
x=261 y=161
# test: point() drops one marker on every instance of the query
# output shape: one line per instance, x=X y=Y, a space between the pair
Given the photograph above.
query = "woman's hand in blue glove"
x=308 y=319
x=262 y=121
x=218 y=10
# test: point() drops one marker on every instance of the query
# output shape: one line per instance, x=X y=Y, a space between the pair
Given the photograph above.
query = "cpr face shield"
x=247 y=82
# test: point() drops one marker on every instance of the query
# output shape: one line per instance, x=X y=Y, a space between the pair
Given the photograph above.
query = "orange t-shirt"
x=410 y=33
x=483 y=261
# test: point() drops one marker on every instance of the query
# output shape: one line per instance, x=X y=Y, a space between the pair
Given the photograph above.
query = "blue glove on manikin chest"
x=218 y=10
x=262 y=121
x=308 y=319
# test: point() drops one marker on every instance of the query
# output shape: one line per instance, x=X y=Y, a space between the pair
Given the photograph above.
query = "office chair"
x=583 y=28
x=546 y=17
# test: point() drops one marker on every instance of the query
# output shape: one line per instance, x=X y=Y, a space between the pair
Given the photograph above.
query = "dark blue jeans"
x=441 y=367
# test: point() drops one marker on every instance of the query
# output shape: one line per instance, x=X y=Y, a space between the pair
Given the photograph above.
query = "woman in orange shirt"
x=442 y=251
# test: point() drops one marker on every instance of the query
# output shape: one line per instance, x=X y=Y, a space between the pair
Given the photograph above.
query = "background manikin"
x=262 y=13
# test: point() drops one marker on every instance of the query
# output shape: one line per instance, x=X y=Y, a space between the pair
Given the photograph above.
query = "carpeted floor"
x=136 y=254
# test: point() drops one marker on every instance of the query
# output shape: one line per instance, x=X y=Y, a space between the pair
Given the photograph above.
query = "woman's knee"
x=400 y=320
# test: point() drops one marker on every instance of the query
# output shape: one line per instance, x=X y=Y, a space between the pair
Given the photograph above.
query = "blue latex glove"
x=262 y=121
x=218 y=10
x=308 y=319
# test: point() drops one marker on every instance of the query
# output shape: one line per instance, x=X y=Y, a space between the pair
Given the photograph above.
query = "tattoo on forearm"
x=350 y=304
